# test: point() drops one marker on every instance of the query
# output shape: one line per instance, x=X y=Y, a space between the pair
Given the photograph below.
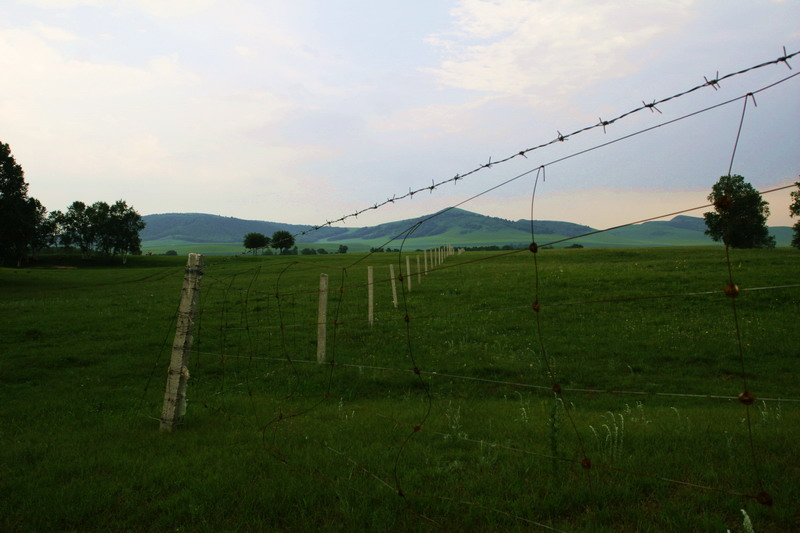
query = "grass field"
x=647 y=434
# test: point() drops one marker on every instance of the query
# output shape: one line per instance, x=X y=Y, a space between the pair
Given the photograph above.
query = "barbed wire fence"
x=251 y=361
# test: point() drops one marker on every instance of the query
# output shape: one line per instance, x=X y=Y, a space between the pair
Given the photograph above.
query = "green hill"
x=215 y=234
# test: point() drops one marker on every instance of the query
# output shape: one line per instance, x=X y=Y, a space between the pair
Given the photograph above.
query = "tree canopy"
x=255 y=241
x=20 y=215
x=109 y=230
x=282 y=240
x=740 y=214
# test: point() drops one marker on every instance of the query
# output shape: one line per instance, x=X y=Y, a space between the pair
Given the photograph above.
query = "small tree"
x=740 y=214
x=794 y=210
x=342 y=249
x=282 y=240
x=255 y=242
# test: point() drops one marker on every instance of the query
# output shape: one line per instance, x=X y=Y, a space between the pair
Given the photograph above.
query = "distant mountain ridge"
x=454 y=226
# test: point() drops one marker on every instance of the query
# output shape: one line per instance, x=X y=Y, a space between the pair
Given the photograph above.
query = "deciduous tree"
x=19 y=215
x=76 y=229
x=794 y=210
x=282 y=240
x=255 y=242
x=110 y=230
x=740 y=214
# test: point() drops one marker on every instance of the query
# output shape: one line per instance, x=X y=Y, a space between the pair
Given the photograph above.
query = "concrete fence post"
x=178 y=374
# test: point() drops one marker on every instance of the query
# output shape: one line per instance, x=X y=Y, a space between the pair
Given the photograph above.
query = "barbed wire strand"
x=714 y=83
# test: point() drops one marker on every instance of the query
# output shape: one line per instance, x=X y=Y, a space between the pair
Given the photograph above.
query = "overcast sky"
x=303 y=111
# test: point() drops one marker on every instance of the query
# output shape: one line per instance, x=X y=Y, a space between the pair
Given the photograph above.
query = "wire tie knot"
x=652 y=106
x=785 y=59
x=713 y=83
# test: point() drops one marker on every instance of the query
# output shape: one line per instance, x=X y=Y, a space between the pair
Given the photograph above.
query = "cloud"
x=538 y=50
x=246 y=52
x=159 y=123
x=173 y=8
x=156 y=8
x=54 y=34
x=61 y=4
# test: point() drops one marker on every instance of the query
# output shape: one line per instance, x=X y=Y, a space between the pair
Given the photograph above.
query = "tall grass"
x=475 y=441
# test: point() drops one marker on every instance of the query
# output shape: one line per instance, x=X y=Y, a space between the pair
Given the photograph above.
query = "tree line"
x=26 y=227
x=283 y=242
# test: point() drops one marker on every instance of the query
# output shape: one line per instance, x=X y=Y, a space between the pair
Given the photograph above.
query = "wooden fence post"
x=425 y=254
x=322 y=318
x=419 y=272
x=371 y=296
x=394 y=285
x=178 y=374
x=408 y=272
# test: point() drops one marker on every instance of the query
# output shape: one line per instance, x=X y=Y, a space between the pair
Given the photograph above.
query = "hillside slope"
x=454 y=226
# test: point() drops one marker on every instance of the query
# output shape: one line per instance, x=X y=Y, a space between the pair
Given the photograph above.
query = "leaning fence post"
x=322 y=318
x=394 y=285
x=178 y=374
x=371 y=296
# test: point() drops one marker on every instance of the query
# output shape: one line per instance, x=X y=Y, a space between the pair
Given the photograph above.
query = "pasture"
x=442 y=415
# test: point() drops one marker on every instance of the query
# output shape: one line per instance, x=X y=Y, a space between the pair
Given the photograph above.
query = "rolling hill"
x=217 y=234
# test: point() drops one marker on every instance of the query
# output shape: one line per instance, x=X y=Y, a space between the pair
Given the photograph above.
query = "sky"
x=306 y=111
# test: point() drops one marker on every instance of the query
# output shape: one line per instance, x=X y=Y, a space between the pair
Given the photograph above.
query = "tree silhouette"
x=20 y=216
x=282 y=240
x=740 y=214
x=255 y=241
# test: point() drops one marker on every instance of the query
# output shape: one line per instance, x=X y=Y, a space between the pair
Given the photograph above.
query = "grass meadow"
x=442 y=415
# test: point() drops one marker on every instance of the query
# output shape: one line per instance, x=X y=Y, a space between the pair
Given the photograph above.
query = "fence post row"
x=178 y=374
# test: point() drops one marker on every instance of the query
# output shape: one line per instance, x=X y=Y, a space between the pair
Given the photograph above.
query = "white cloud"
x=156 y=8
x=61 y=4
x=246 y=52
x=54 y=34
x=549 y=47
x=433 y=120
x=160 y=125
x=173 y=8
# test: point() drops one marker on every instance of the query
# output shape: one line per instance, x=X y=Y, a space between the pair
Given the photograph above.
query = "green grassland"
x=439 y=416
